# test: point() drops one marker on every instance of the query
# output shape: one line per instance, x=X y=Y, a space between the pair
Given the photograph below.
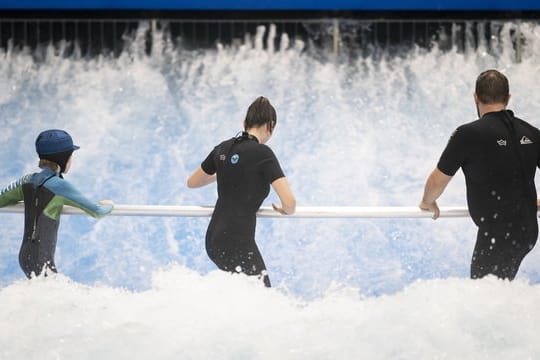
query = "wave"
x=190 y=316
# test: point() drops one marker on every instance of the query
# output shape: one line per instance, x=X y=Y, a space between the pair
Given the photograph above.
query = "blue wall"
x=273 y=4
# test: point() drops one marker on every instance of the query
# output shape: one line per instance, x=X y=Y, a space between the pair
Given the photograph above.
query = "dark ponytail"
x=259 y=113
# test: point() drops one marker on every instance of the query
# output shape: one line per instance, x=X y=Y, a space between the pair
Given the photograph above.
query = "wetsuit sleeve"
x=73 y=197
x=453 y=155
x=209 y=165
x=13 y=193
x=269 y=166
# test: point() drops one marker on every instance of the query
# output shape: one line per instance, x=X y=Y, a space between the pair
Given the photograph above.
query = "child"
x=44 y=194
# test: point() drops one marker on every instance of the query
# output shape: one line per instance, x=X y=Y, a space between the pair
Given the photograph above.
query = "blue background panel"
x=430 y=5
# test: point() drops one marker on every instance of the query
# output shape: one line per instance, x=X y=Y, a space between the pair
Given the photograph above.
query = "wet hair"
x=492 y=87
x=61 y=159
x=259 y=113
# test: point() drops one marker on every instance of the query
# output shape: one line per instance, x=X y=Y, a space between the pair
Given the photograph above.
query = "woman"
x=44 y=194
x=244 y=169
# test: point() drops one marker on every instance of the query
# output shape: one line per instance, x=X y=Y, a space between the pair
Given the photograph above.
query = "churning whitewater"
x=350 y=132
x=220 y=316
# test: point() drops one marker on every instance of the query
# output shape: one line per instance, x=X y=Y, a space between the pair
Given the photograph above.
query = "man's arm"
x=435 y=185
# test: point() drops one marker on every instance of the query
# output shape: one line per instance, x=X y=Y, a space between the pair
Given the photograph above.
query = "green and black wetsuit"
x=245 y=169
x=44 y=195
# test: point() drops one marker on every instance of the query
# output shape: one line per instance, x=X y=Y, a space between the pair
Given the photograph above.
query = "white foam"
x=220 y=316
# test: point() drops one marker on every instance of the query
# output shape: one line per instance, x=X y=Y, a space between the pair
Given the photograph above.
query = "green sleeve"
x=13 y=193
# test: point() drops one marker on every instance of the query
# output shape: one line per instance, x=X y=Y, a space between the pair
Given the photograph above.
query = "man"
x=498 y=154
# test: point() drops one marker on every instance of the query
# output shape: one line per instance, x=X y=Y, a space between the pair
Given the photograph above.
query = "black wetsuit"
x=499 y=154
x=245 y=169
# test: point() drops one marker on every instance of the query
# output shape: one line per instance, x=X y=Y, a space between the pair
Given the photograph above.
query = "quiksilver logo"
x=501 y=142
x=525 y=140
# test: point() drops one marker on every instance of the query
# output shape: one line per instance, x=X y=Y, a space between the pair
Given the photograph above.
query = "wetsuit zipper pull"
x=36 y=203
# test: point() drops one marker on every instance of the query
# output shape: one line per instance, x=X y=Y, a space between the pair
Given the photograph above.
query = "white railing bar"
x=301 y=211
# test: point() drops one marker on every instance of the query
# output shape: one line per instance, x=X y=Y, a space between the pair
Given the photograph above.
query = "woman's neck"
x=260 y=133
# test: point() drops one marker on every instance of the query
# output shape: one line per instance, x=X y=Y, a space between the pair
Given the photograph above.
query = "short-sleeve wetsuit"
x=44 y=195
x=245 y=169
x=499 y=154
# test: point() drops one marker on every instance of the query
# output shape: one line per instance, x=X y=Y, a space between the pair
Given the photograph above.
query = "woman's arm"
x=288 y=202
x=200 y=178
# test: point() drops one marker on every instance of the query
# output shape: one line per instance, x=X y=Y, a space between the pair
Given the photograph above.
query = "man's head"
x=260 y=113
x=492 y=88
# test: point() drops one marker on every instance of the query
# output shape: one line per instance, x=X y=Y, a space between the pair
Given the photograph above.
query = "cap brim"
x=75 y=147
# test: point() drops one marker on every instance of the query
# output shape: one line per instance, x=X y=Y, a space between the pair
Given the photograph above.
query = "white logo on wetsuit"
x=222 y=157
x=525 y=140
x=235 y=158
x=501 y=142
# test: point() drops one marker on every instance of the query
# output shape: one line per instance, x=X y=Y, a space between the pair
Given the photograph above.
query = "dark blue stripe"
x=430 y=5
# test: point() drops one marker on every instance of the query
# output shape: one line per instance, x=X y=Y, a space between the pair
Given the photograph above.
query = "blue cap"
x=54 y=141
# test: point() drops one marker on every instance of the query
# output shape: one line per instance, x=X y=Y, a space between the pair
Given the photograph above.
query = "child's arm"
x=13 y=193
x=73 y=197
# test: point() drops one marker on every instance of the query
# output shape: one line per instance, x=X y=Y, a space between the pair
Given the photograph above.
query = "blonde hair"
x=44 y=163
